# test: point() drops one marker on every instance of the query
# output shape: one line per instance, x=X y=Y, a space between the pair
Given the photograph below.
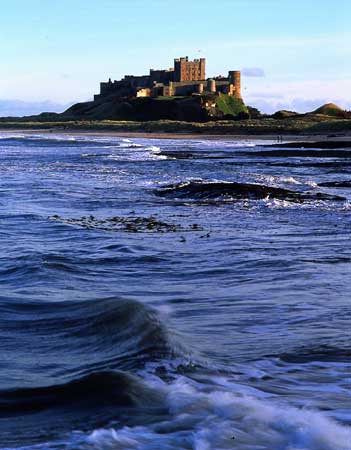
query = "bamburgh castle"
x=185 y=78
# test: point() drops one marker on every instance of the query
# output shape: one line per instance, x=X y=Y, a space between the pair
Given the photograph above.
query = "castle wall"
x=161 y=76
x=137 y=81
x=143 y=92
x=186 y=78
x=186 y=87
x=105 y=88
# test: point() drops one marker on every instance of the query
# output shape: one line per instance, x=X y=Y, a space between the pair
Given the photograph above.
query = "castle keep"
x=186 y=78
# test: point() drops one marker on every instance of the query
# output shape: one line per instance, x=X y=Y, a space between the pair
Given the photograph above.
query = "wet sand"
x=235 y=137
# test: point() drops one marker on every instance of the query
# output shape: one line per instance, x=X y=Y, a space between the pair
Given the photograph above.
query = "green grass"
x=330 y=109
x=331 y=126
x=230 y=105
x=164 y=97
x=224 y=127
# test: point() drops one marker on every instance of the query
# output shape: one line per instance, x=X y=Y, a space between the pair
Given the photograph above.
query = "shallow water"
x=173 y=294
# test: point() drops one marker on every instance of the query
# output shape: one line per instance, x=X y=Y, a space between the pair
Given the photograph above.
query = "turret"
x=234 y=77
x=211 y=85
x=200 y=88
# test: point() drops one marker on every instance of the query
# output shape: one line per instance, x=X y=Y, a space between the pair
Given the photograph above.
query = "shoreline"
x=192 y=136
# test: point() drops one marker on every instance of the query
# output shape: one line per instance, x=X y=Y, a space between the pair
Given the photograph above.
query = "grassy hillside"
x=230 y=106
x=188 y=109
x=139 y=109
x=330 y=109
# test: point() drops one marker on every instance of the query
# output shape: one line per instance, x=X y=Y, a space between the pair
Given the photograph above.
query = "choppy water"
x=173 y=294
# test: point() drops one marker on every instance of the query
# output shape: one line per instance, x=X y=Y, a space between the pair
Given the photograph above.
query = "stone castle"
x=185 y=78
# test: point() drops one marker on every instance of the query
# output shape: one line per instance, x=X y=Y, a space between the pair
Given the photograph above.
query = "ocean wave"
x=277 y=180
x=140 y=152
x=153 y=148
x=52 y=139
x=336 y=184
x=70 y=339
x=77 y=363
x=129 y=145
x=82 y=368
x=94 y=155
x=217 y=418
x=137 y=156
x=322 y=353
x=115 y=388
x=183 y=413
x=8 y=136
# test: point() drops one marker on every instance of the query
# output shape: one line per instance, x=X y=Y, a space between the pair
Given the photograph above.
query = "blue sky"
x=59 y=51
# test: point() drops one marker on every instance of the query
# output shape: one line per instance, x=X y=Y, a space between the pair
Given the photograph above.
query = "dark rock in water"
x=317 y=144
x=209 y=190
x=337 y=184
x=178 y=155
x=127 y=224
x=301 y=153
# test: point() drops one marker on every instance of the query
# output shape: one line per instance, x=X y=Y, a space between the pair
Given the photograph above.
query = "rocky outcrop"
x=203 y=190
x=195 y=108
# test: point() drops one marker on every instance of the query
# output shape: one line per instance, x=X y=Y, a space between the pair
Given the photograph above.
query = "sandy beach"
x=234 y=137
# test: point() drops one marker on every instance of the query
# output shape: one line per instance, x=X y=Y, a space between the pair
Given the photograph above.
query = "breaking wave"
x=223 y=420
x=213 y=416
x=114 y=388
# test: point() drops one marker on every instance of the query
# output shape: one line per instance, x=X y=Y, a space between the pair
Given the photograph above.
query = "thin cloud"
x=300 y=96
x=253 y=72
x=270 y=95
x=22 y=108
x=300 y=105
x=286 y=42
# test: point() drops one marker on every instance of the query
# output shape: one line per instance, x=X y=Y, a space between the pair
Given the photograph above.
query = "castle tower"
x=211 y=85
x=200 y=88
x=180 y=66
x=234 y=77
x=202 y=74
x=185 y=70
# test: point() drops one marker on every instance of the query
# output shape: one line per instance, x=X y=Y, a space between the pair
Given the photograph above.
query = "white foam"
x=277 y=180
x=207 y=419
x=140 y=156
x=279 y=204
x=311 y=183
x=129 y=144
x=289 y=180
x=346 y=206
x=153 y=148
x=11 y=136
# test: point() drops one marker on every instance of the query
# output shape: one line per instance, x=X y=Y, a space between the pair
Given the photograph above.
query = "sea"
x=165 y=294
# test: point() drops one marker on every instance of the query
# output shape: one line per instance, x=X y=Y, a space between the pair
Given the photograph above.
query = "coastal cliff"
x=196 y=108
